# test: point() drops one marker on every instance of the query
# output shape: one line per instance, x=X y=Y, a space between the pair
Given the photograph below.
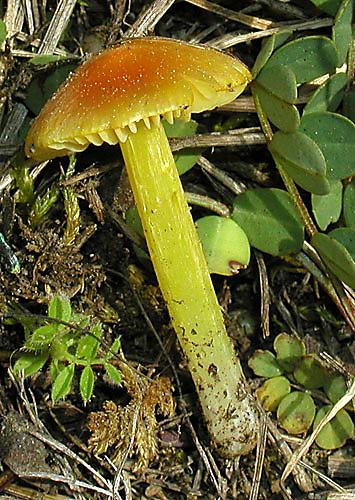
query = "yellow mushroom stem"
x=186 y=285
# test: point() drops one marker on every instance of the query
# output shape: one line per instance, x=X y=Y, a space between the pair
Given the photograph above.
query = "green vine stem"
x=333 y=287
x=289 y=184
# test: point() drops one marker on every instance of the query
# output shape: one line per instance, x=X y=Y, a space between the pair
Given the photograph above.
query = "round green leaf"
x=225 y=245
x=307 y=57
x=349 y=104
x=87 y=381
x=336 y=257
x=335 y=387
x=296 y=412
x=283 y=115
x=309 y=372
x=62 y=384
x=328 y=96
x=336 y=432
x=349 y=204
x=279 y=81
x=335 y=136
x=346 y=237
x=289 y=350
x=271 y=393
x=268 y=46
x=264 y=364
x=270 y=220
x=327 y=208
x=302 y=159
x=342 y=30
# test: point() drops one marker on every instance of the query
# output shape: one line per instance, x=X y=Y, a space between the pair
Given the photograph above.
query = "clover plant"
x=291 y=368
x=313 y=148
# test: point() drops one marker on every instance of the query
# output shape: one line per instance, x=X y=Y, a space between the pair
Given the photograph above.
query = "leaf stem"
x=289 y=183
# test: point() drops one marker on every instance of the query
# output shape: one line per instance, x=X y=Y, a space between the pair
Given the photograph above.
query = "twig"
x=216 y=139
x=251 y=21
x=56 y=27
x=148 y=19
x=221 y=176
x=260 y=455
x=231 y=39
x=265 y=294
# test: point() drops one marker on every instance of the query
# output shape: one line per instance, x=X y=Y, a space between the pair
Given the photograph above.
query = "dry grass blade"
x=56 y=445
x=265 y=294
x=148 y=19
x=309 y=441
x=56 y=27
x=215 y=139
x=14 y=18
x=231 y=39
x=260 y=456
x=208 y=167
x=251 y=21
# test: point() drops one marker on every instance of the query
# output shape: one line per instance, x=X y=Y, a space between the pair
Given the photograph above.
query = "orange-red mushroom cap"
x=141 y=79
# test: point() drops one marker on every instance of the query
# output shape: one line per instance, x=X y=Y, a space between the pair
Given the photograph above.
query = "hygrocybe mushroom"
x=120 y=96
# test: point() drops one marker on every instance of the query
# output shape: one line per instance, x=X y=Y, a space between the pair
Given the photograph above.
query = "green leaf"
x=329 y=6
x=328 y=96
x=335 y=387
x=272 y=392
x=225 y=245
x=349 y=104
x=113 y=373
x=270 y=220
x=308 y=57
x=60 y=308
x=62 y=384
x=336 y=432
x=3 y=32
x=30 y=363
x=336 y=257
x=335 y=136
x=327 y=208
x=296 y=412
x=187 y=158
x=342 y=30
x=283 y=115
x=42 y=59
x=279 y=81
x=264 y=364
x=87 y=348
x=349 y=204
x=41 y=338
x=289 y=351
x=268 y=46
x=346 y=237
x=302 y=159
x=309 y=372
x=87 y=381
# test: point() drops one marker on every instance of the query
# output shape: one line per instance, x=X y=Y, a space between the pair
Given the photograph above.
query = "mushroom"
x=119 y=96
